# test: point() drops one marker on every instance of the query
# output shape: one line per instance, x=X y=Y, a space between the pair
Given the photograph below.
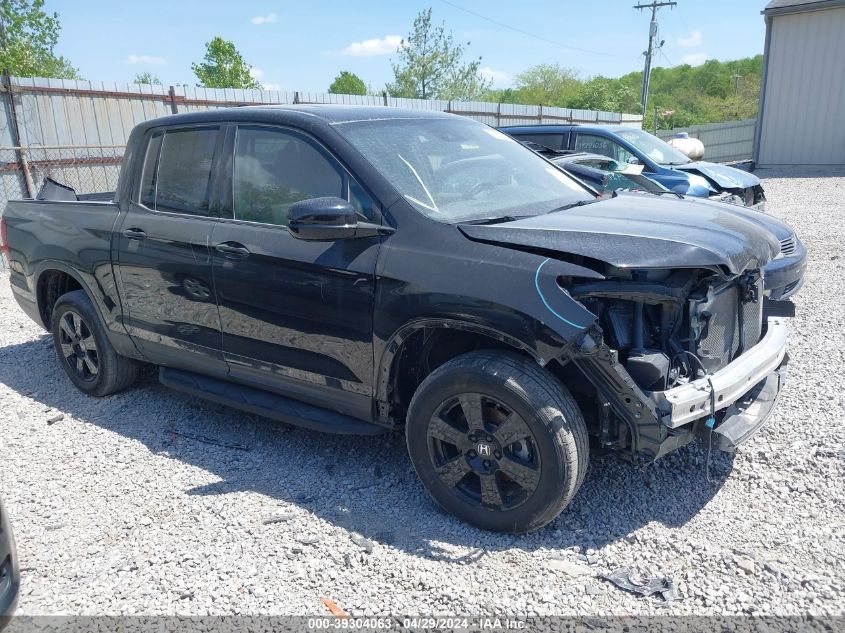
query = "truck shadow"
x=362 y=484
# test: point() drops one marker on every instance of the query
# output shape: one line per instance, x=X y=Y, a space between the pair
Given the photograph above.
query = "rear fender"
x=108 y=310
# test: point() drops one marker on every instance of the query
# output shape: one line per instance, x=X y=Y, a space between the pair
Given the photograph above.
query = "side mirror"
x=322 y=219
x=325 y=219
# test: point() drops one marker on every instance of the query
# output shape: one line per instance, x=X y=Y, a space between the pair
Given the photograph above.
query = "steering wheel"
x=479 y=188
x=452 y=174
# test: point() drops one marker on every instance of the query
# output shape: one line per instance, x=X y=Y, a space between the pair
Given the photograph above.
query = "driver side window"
x=601 y=145
x=275 y=169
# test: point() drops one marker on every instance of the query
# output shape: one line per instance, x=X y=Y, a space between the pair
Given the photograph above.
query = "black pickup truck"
x=358 y=270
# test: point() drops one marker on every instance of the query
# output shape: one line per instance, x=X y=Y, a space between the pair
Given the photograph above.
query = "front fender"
x=514 y=296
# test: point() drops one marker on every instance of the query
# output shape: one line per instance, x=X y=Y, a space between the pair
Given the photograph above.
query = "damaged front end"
x=678 y=353
x=731 y=185
x=672 y=331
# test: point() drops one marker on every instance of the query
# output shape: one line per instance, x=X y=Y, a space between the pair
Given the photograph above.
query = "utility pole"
x=652 y=33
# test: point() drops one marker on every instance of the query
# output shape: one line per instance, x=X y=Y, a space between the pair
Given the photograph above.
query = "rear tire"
x=497 y=441
x=84 y=350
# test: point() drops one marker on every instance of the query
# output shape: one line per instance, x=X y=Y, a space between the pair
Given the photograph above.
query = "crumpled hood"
x=637 y=231
x=780 y=228
x=723 y=175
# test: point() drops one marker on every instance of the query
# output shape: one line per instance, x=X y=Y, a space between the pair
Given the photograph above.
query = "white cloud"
x=376 y=46
x=265 y=19
x=256 y=73
x=145 y=59
x=692 y=40
x=498 y=78
x=695 y=59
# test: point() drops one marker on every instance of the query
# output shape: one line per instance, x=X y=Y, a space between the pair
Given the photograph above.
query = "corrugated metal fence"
x=75 y=131
x=723 y=142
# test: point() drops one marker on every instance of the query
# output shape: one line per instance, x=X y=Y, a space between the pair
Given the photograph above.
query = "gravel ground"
x=118 y=511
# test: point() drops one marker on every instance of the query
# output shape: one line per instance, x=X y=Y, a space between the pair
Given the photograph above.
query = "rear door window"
x=177 y=171
x=148 y=175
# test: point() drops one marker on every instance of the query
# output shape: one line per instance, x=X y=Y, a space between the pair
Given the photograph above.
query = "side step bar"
x=264 y=403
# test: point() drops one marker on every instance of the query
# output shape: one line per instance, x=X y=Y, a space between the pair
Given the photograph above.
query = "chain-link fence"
x=85 y=168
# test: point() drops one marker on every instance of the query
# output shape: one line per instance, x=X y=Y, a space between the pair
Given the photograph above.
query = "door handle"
x=233 y=250
x=134 y=234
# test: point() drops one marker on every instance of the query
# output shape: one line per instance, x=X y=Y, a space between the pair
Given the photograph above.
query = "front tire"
x=85 y=352
x=497 y=441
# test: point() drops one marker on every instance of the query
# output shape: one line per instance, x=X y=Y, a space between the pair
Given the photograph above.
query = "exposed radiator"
x=732 y=327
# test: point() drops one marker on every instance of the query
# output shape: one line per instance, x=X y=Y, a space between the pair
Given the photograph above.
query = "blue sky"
x=296 y=45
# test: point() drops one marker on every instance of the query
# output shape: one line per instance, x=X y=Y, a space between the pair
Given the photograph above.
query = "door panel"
x=168 y=296
x=297 y=316
x=163 y=253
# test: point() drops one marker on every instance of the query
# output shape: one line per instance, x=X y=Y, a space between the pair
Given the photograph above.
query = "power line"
x=533 y=35
x=663 y=55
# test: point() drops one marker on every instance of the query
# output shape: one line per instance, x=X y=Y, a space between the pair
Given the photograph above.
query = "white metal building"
x=802 y=97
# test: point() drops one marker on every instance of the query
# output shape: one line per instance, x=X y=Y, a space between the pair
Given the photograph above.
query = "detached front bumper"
x=751 y=372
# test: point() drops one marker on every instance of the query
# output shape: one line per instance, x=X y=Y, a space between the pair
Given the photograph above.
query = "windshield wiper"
x=579 y=203
x=497 y=220
x=663 y=193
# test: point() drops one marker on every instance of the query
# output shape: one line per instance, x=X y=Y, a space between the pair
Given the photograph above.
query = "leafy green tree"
x=431 y=65
x=547 y=84
x=146 y=77
x=348 y=83
x=224 y=67
x=28 y=36
x=712 y=92
x=601 y=93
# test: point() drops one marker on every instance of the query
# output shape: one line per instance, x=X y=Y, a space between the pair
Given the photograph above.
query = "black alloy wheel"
x=484 y=451
x=78 y=346
x=497 y=440
x=84 y=349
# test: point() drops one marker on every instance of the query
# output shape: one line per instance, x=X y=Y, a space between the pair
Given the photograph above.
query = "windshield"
x=457 y=170
x=656 y=149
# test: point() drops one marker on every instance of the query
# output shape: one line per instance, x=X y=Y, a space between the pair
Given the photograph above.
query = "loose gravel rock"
x=117 y=510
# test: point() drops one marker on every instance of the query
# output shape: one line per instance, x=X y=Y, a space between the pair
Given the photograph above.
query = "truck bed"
x=74 y=236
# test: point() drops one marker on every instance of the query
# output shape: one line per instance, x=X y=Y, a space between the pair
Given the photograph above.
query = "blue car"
x=661 y=162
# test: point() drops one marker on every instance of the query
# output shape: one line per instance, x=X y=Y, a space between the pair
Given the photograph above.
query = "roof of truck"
x=558 y=128
x=330 y=113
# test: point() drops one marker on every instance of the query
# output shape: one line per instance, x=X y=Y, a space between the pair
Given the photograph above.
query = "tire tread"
x=540 y=386
x=117 y=372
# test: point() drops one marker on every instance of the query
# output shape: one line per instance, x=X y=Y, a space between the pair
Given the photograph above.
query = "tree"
x=28 y=36
x=601 y=93
x=347 y=83
x=547 y=84
x=430 y=65
x=146 y=77
x=224 y=67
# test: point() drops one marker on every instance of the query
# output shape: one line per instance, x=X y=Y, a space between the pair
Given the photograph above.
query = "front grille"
x=787 y=245
x=732 y=327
